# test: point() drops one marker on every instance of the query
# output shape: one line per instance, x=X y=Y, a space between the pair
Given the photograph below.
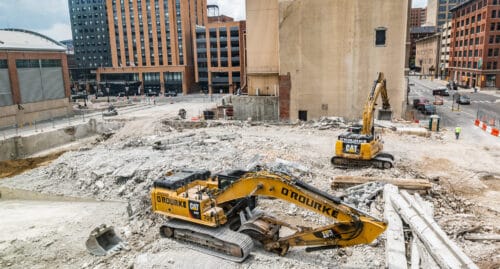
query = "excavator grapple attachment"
x=103 y=240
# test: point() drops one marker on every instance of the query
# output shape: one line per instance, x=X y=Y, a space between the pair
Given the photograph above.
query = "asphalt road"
x=480 y=102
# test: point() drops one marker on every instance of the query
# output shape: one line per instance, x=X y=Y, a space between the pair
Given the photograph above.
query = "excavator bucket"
x=103 y=240
x=384 y=114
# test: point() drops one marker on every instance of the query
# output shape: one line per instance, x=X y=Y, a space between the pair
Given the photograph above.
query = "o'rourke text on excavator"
x=166 y=200
x=309 y=202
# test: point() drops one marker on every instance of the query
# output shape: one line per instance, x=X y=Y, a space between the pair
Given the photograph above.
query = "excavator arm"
x=379 y=88
x=352 y=226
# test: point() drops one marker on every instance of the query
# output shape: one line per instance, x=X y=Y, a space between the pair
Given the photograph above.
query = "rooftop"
x=18 y=39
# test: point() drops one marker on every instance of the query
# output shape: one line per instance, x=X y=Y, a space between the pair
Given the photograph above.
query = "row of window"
x=476 y=6
x=37 y=63
x=83 y=2
x=491 y=65
x=3 y=64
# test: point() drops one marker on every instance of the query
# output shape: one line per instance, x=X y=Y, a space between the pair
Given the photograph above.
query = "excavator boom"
x=219 y=213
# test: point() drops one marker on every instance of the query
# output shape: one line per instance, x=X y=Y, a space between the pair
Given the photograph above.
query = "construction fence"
x=488 y=121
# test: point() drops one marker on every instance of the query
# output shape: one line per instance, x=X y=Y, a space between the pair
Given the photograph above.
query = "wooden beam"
x=409 y=184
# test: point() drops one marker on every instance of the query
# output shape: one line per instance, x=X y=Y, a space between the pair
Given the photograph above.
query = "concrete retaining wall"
x=24 y=146
x=259 y=108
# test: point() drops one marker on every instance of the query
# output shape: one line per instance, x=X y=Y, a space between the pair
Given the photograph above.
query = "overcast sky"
x=51 y=17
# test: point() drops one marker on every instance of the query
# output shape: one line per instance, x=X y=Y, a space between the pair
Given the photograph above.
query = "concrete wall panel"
x=332 y=57
x=259 y=108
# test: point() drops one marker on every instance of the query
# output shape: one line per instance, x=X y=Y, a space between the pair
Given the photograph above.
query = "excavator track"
x=381 y=161
x=221 y=242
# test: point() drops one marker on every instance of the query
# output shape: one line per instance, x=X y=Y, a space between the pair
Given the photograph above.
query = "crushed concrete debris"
x=122 y=165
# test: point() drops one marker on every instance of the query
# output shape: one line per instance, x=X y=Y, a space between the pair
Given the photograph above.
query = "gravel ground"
x=122 y=167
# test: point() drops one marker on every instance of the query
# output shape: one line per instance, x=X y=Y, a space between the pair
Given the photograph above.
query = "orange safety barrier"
x=477 y=122
x=484 y=126
x=495 y=132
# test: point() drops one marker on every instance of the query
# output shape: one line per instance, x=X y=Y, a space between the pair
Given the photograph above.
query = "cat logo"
x=194 y=207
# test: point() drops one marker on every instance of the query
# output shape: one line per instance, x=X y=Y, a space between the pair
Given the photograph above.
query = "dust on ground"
x=123 y=166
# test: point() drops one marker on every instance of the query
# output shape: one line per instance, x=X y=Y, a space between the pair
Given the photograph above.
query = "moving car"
x=442 y=91
x=463 y=99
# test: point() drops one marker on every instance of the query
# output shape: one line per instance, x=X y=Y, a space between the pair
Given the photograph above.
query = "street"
x=485 y=102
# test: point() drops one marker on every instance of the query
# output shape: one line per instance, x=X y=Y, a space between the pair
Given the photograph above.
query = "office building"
x=438 y=11
x=34 y=80
x=152 y=42
x=220 y=61
x=475 y=44
x=417 y=17
x=89 y=28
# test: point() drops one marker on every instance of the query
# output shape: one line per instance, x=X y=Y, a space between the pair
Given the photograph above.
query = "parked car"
x=463 y=99
x=419 y=103
x=429 y=109
x=442 y=91
x=171 y=93
x=79 y=95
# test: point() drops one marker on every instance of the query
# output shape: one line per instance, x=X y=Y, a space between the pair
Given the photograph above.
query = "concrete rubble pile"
x=122 y=167
x=325 y=123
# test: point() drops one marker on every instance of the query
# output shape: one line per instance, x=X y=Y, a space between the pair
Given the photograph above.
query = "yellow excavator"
x=360 y=146
x=217 y=214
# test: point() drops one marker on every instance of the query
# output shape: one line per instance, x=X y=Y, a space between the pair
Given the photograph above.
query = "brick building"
x=417 y=17
x=220 y=60
x=417 y=33
x=152 y=42
x=34 y=80
x=475 y=44
x=444 y=56
x=427 y=51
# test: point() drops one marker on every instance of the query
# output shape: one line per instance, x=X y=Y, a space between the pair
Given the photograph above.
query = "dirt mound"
x=15 y=167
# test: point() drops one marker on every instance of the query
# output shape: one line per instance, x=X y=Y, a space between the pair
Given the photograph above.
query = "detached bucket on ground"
x=103 y=240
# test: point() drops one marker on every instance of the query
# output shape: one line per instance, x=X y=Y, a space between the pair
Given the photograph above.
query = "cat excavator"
x=218 y=214
x=360 y=146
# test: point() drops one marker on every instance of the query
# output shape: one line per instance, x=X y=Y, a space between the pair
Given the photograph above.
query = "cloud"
x=33 y=14
x=419 y=3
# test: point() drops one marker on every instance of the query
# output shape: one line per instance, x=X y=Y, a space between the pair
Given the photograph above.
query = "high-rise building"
x=418 y=17
x=152 y=41
x=220 y=55
x=475 y=44
x=438 y=11
x=89 y=27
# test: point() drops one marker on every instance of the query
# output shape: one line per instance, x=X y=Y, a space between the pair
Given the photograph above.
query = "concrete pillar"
x=162 y=83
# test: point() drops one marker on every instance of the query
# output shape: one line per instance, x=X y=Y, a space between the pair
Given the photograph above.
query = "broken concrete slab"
x=395 y=246
x=446 y=253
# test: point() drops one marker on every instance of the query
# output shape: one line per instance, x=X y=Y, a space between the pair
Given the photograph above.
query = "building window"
x=380 y=36
x=493 y=13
